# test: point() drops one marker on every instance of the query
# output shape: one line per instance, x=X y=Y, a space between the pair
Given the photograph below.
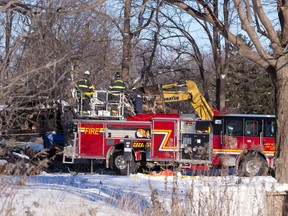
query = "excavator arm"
x=192 y=94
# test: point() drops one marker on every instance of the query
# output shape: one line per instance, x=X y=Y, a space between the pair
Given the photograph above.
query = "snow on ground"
x=66 y=194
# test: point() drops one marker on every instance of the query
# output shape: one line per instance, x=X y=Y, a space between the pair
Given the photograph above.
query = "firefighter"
x=116 y=87
x=84 y=89
x=136 y=98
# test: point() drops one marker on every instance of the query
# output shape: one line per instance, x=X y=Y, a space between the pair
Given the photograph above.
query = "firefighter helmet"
x=87 y=72
x=117 y=75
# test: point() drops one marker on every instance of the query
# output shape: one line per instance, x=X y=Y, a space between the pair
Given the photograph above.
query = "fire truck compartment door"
x=164 y=140
x=196 y=147
x=91 y=139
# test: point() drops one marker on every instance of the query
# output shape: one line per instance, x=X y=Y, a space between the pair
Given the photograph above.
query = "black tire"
x=253 y=165
x=120 y=165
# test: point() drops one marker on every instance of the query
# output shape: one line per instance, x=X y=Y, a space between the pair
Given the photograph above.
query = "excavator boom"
x=199 y=102
x=170 y=96
x=193 y=94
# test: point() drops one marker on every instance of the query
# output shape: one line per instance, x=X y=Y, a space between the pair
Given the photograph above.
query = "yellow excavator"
x=191 y=93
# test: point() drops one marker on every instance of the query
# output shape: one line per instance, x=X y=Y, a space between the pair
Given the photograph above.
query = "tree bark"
x=281 y=156
x=216 y=49
x=127 y=37
x=8 y=51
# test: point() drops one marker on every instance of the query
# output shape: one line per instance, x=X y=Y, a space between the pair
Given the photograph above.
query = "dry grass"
x=201 y=196
x=178 y=197
x=214 y=198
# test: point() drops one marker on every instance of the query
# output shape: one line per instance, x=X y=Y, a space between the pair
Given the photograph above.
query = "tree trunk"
x=218 y=61
x=127 y=40
x=222 y=105
x=221 y=92
x=8 y=35
x=281 y=156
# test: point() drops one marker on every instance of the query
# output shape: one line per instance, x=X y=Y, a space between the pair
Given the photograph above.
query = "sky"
x=95 y=194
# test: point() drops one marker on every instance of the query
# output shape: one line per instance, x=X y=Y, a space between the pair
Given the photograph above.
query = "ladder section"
x=70 y=151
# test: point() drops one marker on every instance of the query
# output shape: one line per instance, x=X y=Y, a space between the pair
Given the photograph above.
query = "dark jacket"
x=117 y=86
x=84 y=87
x=137 y=101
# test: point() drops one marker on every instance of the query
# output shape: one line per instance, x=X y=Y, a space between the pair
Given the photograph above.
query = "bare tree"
x=257 y=20
x=193 y=50
x=47 y=44
x=133 y=23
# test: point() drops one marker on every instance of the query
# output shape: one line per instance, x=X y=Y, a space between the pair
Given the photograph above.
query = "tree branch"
x=88 y=7
x=244 y=50
x=283 y=18
x=15 y=5
x=190 y=10
x=272 y=35
x=252 y=34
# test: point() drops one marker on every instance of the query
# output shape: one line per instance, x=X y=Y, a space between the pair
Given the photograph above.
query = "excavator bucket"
x=153 y=99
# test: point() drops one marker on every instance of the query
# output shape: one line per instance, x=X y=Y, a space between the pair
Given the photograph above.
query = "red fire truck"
x=144 y=139
x=245 y=142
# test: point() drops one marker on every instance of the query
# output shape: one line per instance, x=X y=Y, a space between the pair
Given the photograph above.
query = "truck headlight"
x=140 y=133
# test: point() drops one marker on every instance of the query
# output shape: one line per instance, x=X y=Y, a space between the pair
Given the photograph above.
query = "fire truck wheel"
x=120 y=165
x=253 y=165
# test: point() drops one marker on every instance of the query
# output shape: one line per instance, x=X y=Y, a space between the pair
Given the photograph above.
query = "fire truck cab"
x=244 y=141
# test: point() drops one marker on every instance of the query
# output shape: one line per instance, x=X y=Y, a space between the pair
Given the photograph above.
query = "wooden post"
x=276 y=203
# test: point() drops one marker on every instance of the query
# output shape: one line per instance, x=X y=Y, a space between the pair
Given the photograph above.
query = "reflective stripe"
x=83 y=86
x=117 y=86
